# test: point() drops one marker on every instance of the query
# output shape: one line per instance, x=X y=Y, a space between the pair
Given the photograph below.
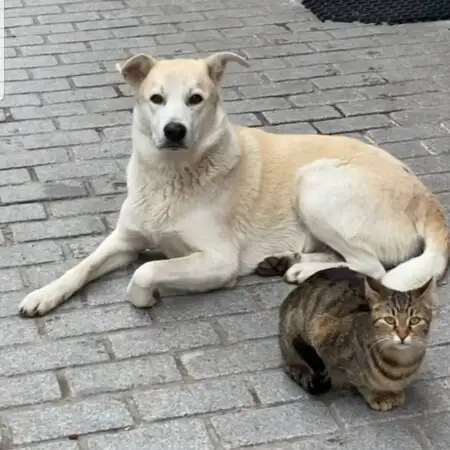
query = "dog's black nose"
x=175 y=131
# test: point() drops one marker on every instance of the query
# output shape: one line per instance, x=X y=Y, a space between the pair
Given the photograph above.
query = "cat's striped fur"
x=339 y=327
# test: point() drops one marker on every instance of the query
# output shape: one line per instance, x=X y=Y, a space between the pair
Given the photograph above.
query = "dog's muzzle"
x=175 y=133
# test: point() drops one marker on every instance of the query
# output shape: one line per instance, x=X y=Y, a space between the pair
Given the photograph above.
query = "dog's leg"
x=279 y=264
x=301 y=271
x=117 y=250
x=198 y=272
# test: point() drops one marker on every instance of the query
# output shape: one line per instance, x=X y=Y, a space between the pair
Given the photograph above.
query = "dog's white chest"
x=178 y=226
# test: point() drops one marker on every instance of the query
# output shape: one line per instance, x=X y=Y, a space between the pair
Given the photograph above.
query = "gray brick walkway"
x=198 y=372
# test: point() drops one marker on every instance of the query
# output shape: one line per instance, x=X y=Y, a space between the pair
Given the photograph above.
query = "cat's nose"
x=402 y=335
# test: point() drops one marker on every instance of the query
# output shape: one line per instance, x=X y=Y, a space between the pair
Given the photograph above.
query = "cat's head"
x=401 y=320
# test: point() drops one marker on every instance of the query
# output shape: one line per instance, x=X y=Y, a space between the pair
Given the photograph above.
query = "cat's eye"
x=414 y=320
x=389 y=320
x=157 y=99
x=195 y=99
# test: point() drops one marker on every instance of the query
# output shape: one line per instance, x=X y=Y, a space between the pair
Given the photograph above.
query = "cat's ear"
x=374 y=289
x=426 y=294
x=425 y=289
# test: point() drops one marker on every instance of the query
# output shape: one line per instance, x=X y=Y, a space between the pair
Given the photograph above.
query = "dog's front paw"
x=40 y=301
x=141 y=297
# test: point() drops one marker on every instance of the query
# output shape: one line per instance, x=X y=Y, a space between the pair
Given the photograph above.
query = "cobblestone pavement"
x=197 y=372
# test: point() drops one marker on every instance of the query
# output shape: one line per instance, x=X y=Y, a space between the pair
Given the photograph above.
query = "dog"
x=218 y=199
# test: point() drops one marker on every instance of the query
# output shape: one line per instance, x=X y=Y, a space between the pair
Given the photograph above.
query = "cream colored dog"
x=218 y=199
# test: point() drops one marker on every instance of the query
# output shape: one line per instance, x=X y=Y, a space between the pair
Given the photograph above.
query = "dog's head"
x=178 y=101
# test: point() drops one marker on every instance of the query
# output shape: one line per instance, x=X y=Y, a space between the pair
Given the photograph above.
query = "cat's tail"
x=432 y=228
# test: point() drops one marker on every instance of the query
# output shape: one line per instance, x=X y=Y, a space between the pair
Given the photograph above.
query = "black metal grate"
x=379 y=11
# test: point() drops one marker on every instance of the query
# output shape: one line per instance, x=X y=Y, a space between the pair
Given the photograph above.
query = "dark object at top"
x=379 y=11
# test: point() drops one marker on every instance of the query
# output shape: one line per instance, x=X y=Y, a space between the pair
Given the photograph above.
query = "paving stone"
x=38 y=275
x=54 y=445
x=245 y=120
x=41 y=191
x=60 y=139
x=25 y=87
x=9 y=302
x=302 y=128
x=112 y=184
x=35 y=231
x=274 y=386
x=250 y=326
x=98 y=320
x=75 y=170
x=79 y=95
x=435 y=429
x=67 y=420
x=17 y=331
x=15 y=176
x=72 y=17
x=271 y=424
x=111 y=104
x=51 y=49
x=203 y=397
x=397 y=435
x=114 y=149
x=421 y=397
x=20 y=100
x=26 y=127
x=50 y=355
x=174 y=435
x=437 y=146
x=429 y=164
x=26 y=254
x=82 y=247
x=123 y=375
x=334 y=126
x=10 y=280
x=164 y=338
x=432 y=366
x=385 y=105
x=242 y=357
x=396 y=134
x=95 y=205
x=277 y=89
x=407 y=149
x=29 y=61
x=174 y=309
x=28 y=390
x=440 y=331
x=34 y=158
x=95 y=120
x=300 y=115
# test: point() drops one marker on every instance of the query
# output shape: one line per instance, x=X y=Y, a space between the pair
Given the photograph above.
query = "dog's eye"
x=195 y=99
x=157 y=99
x=389 y=320
x=414 y=320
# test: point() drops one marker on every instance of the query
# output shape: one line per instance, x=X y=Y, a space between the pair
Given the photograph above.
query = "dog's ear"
x=217 y=63
x=135 y=69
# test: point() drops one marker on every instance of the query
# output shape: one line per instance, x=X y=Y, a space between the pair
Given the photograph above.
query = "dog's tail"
x=432 y=228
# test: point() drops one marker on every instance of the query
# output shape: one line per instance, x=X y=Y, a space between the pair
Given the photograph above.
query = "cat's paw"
x=385 y=401
x=313 y=383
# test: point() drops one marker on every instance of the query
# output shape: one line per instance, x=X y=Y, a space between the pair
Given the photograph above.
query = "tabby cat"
x=341 y=327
